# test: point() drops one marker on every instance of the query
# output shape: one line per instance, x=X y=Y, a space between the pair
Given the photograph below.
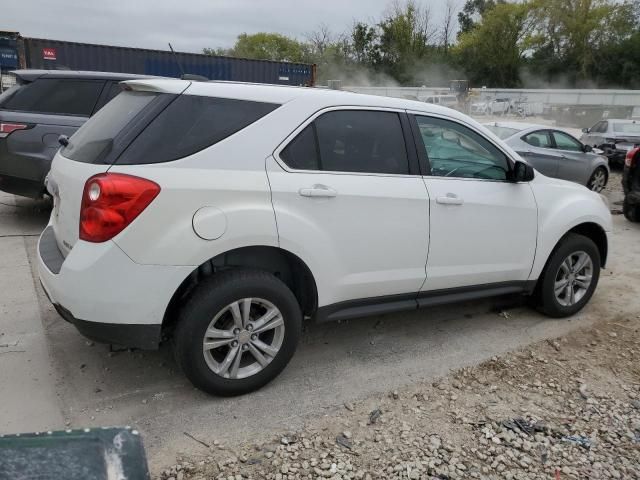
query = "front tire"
x=598 y=180
x=570 y=277
x=237 y=332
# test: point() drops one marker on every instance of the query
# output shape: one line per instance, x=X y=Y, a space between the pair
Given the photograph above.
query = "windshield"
x=94 y=140
x=632 y=128
x=502 y=132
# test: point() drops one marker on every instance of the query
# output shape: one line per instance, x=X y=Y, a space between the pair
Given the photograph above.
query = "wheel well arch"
x=597 y=234
x=288 y=267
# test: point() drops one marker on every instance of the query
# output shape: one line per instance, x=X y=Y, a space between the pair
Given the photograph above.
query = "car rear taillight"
x=110 y=202
x=7 y=128
x=630 y=158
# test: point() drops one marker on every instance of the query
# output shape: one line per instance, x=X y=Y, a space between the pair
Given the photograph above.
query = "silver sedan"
x=555 y=153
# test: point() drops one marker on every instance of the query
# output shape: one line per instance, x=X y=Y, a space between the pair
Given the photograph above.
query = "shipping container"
x=37 y=53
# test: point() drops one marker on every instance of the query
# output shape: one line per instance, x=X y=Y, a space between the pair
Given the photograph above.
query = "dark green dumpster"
x=89 y=454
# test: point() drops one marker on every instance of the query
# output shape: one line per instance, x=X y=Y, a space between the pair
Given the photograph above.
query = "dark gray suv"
x=43 y=105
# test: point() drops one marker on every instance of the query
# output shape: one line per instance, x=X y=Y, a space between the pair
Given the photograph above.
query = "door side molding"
x=414 y=301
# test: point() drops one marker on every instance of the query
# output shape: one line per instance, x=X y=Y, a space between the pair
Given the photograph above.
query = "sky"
x=190 y=25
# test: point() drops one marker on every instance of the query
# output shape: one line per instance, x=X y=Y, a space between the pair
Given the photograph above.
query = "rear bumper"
x=22 y=186
x=146 y=337
x=107 y=296
x=22 y=174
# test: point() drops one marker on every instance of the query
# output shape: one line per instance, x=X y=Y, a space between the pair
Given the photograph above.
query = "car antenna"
x=177 y=60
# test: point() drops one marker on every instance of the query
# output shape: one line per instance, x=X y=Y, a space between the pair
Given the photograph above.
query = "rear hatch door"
x=93 y=149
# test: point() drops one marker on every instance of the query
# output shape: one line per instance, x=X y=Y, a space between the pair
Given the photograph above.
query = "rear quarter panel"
x=163 y=234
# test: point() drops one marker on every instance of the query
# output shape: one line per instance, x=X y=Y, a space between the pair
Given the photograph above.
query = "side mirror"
x=522 y=172
x=587 y=148
x=586 y=130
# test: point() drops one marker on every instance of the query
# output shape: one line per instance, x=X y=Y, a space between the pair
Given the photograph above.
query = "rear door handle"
x=450 y=199
x=318 y=191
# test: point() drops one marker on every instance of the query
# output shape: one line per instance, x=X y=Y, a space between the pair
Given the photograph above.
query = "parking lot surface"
x=51 y=377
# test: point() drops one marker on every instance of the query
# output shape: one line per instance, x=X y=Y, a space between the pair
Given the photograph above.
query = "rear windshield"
x=502 y=132
x=4 y=96
x=632 y=128
x=190 y=124
x=56 y=96
x=95 y=139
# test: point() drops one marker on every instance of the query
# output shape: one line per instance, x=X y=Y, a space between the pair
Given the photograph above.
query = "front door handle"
x=318 y=191
x=450 y=199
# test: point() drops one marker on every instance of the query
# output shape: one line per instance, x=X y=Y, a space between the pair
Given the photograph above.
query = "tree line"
x=493 y=43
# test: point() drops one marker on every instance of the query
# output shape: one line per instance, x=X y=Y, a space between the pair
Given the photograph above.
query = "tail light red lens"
x=110 y=202
x=631 y=157
x=7 y=128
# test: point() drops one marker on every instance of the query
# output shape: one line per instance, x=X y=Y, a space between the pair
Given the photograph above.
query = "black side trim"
x=49 y=251
x=145 y=337
x=425 y=165
x=397 y=303
x=463 y=294
x=410 y=145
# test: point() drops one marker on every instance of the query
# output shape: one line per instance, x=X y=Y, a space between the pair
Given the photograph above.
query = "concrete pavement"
x=28 y=393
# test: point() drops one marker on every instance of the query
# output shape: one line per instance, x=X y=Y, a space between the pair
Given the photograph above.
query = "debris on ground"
x=344 y=442
x=374 y=416
x=578 y=440
x=567 y=408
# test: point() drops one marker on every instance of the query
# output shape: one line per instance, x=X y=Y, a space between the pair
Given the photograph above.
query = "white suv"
x=220 y=215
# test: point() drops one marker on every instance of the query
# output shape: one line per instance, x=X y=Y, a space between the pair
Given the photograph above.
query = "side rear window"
x=4 y=96
x=96 y=138
x=362 y=141
x=302 y=152
x=190 y=124
x=56 y=96
x=540 y=139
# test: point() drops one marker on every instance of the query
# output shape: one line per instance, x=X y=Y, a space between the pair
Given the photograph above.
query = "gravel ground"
x=562 y=408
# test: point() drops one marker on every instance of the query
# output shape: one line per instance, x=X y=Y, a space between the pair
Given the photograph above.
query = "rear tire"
x=631 y=212
x=237 y=332
x=598 y=180
x=570 y=277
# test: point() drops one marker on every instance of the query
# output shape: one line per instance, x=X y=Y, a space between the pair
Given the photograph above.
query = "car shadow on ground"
x=351 y=356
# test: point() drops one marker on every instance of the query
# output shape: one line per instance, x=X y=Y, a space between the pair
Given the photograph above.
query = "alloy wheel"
x=598 y=181
x=573 y=278
x=243 y=338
